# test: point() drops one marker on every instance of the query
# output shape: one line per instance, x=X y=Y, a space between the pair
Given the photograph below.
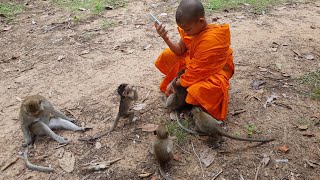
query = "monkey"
x=33 y=166
x=128 y=94
x=177 y=100
x=206 y=124
x=37 y=117
x=162 y=148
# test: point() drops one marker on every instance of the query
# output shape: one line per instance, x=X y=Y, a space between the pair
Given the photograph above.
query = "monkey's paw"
x=62 y=140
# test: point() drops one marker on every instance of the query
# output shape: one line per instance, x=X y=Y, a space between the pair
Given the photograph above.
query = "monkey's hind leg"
x=40 y=128
x=59 y=114
x=59 y=123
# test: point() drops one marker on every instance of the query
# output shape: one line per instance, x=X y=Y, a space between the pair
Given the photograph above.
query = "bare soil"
x=78 y=66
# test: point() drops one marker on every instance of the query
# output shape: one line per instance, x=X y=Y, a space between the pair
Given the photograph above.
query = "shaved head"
x=189 y=11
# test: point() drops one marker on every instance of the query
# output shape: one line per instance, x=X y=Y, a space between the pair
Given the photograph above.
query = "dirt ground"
x=78 y=66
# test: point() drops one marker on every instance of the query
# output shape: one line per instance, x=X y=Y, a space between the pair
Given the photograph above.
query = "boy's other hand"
x=161 y=30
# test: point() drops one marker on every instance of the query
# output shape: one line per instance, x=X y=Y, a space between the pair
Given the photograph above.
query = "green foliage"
x=312 y=79
x=257 y=5
x=9 y=10
x=95 y=6
x=176 y=130
x=250 y=130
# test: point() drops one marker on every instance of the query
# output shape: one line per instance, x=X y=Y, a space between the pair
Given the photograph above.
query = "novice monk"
x=204 y=51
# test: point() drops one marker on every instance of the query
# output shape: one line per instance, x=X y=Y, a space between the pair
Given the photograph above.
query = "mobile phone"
x=154 y=18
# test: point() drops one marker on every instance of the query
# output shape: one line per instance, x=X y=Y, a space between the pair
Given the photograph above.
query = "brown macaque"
x=128 y=94
x=206 y=124
x=162 y=148
x=177 y=100
x=38 y=117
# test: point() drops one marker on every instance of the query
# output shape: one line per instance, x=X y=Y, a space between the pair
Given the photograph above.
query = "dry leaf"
x=98 y=145
x=154 y=177
x=265 y=160
x=84 y=52
x=207 y=158
x=176 y=157
x=7 y=28
x=309 y=57
x=139 y=107
x=67 y=162
x=148 y=127
x=303 y=127
x=144 y=175
x=257 y=83
x=147 y=47
x=284 y=148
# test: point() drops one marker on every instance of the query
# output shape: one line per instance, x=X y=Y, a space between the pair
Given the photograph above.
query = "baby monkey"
x=206 y=124
x=38 y=116
x=128 y=94
x=177 y=100
x=162 y=148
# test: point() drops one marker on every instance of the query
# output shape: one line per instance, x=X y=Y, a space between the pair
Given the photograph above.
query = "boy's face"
x=193 y=28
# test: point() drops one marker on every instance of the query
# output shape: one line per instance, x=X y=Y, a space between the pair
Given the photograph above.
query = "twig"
x=9 y=164
x=257 y=173
x=61 y=145
x=236 y=112
x=72 y=113
x=218 y=174
x=49 y=176
x=198 y=159
x=182 y=149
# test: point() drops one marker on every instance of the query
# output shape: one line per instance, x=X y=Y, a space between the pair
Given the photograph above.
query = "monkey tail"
x=184 y=128
x=163 y=174
x=35 y=167
x=223 y=133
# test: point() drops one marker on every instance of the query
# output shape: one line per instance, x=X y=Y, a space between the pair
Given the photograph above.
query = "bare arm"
x=177 y=48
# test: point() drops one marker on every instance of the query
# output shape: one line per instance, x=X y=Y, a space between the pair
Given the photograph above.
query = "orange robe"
x=209 y=66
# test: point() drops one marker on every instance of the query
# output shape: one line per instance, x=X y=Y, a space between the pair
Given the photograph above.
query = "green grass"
x=312 y=79
x=95 y=6
x=9 y=10
x=176 y=130
x=257 y=5
x=106 y=24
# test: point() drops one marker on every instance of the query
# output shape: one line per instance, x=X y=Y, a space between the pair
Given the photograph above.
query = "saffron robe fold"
x=209 y=66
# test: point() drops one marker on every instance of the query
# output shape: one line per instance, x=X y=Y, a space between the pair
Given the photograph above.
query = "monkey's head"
x=161 y=132
x=33 y=106
x=125 y=90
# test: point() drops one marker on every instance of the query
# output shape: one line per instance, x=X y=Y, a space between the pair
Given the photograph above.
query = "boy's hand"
x=169 y=89
x=161 y=30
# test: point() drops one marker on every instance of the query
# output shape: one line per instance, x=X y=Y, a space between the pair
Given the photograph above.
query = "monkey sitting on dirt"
x=38 y=117
x=162 y=148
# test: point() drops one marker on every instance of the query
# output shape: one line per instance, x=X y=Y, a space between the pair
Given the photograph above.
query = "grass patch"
x=9 y=10
x=312 y=79
x=106 y=24
x=95 y=6
x=176 y=130
x=257 y=5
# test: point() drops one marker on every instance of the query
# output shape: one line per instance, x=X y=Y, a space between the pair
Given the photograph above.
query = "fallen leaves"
x=138 y=107
x=67 y=162
x=303 y=127
x=207 y=158
x=148 y=127
x=284 y=148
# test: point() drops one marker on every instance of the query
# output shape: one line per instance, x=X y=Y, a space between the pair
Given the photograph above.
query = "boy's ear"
x=201 y=19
